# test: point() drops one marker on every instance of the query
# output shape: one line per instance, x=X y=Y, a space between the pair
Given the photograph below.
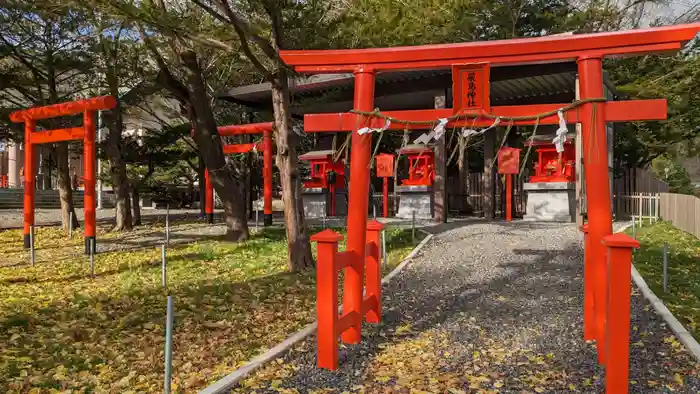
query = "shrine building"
x=550 y=188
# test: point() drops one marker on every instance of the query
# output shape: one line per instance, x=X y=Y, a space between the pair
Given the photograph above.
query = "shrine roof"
x=317 y=154
x=511 y=85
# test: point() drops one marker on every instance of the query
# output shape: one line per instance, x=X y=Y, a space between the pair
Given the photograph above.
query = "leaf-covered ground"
x=60 y=329
x=683 y=295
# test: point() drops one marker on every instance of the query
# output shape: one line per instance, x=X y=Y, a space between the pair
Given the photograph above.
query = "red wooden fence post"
x=588 y=289
x=327 y=298
x=373 y=273
x=617 y=339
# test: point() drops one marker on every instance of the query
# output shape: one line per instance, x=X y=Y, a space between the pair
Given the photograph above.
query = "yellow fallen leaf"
x=677 y=377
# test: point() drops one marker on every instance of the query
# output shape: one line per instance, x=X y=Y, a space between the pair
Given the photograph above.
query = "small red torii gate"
x=611 y=331
x=86 y=132
x=265 y=129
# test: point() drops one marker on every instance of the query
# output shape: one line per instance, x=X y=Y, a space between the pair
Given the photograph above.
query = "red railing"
x=3 y=181
x=607 y=288
x=331 y=325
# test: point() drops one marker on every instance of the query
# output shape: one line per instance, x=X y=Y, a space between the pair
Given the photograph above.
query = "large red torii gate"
x=265 y=129
x=588 y=50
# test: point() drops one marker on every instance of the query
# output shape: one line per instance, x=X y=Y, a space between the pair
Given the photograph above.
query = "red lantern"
x=508 y=160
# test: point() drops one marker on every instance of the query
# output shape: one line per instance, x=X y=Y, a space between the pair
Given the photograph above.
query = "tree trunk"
x=299 y=248
x=65 y=189
x=113 y=146
x=136 y=206
x=209 y=144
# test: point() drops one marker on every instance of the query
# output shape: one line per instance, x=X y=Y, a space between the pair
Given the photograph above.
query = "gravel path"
x=487 y=308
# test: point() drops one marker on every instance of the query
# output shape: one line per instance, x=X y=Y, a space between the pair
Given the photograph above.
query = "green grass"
x=683 y=296
x=62 y=330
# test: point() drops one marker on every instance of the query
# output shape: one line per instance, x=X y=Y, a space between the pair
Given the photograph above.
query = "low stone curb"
x=683 y=335
x=225 y=384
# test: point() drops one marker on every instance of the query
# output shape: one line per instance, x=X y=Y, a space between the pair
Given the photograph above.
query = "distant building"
x=153 y=113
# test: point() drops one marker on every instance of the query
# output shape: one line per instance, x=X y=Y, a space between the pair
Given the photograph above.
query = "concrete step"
x=46 y=199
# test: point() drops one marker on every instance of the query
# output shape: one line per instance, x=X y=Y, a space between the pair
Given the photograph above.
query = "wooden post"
x=29 y=127
x=90 y=182
x=509 y=197
x=385 y=198
x=327 y=298
x=373 y=272
x=361 y=150
x=597 y=181
x=208 y=197
x=439 y=190
x=588 y=307
x=267 y=177
x=617 y=340
x=580 y=192
x=488 y=176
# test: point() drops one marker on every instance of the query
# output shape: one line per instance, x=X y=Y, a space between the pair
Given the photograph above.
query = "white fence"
x=638 y=206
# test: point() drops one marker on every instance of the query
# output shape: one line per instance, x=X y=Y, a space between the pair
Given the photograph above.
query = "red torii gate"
x=265 y=129
x=86 y=132
x=588 y=50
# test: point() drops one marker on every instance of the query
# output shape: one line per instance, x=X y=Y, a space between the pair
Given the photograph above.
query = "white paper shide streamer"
x=440 y=128
x=560 y=138
x=367 y=130
x=471 y=132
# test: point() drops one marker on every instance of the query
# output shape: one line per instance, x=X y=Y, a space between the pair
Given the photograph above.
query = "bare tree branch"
x=211 y=11
x=241 y=25
x=249 y=54
x=164 y=75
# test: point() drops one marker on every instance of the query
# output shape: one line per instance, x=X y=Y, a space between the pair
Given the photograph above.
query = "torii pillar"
x=595 y=162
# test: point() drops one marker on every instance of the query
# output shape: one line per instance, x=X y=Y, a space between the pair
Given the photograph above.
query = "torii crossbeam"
x=588 y=50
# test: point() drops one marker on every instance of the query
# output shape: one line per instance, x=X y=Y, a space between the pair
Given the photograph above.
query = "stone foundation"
x=317 y=203
x=415 y=198
x=550 y=201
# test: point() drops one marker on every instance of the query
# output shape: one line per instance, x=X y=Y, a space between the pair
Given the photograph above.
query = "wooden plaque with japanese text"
x=470 y=87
